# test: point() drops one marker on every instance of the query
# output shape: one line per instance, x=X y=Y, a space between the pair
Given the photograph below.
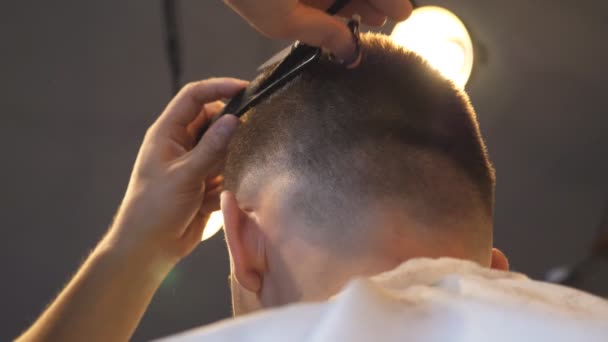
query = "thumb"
x=317 y=28
x=213 y=145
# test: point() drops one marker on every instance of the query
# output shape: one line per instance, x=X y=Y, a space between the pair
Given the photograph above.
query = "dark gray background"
x=81 y=80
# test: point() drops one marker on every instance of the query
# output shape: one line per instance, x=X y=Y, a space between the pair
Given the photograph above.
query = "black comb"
x=300 y=56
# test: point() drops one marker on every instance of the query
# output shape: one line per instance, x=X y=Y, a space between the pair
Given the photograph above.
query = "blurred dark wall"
x=81 y=81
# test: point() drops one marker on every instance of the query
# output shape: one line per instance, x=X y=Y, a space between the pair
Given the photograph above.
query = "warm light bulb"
x=214 y=224
x=441 y=38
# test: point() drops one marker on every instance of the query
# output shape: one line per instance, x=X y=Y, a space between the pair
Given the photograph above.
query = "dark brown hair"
x=390 y=128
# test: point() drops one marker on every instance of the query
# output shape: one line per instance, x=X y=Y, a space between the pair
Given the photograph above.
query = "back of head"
x=391 y=134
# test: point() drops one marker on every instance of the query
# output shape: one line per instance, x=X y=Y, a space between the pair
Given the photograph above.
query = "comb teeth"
x=279 y=56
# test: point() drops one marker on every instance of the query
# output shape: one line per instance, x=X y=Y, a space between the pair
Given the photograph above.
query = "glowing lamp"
x=441 y=38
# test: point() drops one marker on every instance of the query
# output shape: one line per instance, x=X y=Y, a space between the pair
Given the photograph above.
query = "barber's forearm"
x=172 y=190
x=106 y=298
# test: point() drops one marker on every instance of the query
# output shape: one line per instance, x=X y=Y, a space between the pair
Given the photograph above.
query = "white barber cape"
x=435 y=300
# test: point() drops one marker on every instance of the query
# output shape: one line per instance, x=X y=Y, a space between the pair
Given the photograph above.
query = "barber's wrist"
x=139 y=255
x=141 y=226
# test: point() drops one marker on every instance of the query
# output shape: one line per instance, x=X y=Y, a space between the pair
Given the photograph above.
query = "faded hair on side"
x=391 y=129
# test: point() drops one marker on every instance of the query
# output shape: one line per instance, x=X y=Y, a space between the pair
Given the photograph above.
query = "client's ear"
x=499 y=260
x=245 y=243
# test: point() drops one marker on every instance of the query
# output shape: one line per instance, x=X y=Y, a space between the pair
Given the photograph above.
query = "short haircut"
x=392 y=128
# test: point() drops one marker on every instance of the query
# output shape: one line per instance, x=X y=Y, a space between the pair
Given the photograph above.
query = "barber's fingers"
x=208 y=111
x=211 y=203
x=213 y=108
x=311 y=25
x=213 y=182
x=314 y=27
x=372 y=12
x=397 y=10
x=194 y=232
x=212 y=200
x=187 y=104
x=212 y=147
x=370 y=15
x=217 y=169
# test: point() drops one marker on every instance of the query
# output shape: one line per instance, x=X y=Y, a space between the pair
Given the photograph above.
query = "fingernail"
x=353 y=50
x=243 y=83
x=346 y=52
x=354 y=57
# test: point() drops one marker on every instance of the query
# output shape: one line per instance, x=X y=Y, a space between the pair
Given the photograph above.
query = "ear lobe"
x=499 y=260
x=245 y=243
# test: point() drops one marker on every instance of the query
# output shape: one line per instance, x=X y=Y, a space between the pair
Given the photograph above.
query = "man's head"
x=347 y=173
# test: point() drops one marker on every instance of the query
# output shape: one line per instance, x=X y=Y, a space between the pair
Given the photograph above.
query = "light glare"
x=214 y=224
x=441 y=38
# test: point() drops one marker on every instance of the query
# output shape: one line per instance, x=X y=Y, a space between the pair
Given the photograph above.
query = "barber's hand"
x=176 y=183
x=306 y=20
